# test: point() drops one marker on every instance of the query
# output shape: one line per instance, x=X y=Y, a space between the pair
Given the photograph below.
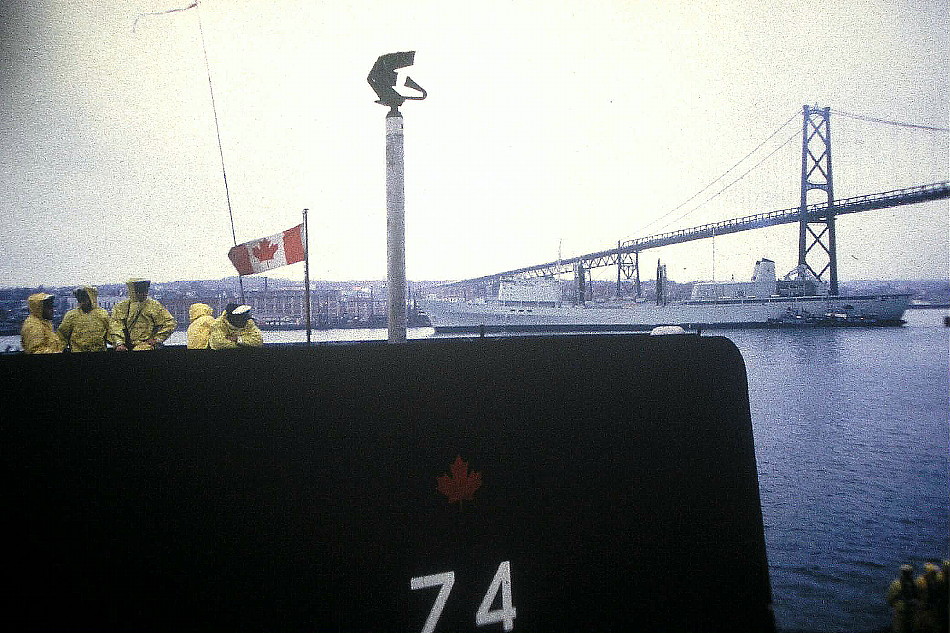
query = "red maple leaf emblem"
x=264 y=250
x=461 y=484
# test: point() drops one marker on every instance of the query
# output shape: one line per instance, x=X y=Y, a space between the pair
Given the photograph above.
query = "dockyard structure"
x=284 y=308
x=273 y=308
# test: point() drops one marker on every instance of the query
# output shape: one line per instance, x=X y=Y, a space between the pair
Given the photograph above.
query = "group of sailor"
x=138 y=323
x=920 y=605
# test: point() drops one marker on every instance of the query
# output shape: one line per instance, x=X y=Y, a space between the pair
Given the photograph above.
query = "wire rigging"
x=723 y=175
x=142 y=15
x=217 y=127
x=214 y=110
x=887 y=122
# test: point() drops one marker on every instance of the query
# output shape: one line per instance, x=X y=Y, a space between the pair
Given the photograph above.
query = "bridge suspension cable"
x=721 y=191
x=887 y=122
x=721 y=176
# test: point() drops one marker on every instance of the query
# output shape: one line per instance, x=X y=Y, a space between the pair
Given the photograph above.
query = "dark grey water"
x=851 y=435
x=852 y=442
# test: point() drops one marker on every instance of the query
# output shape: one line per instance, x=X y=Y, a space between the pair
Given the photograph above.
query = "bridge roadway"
x=613 y=257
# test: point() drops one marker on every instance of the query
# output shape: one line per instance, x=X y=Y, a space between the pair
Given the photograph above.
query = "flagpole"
x=306 y=272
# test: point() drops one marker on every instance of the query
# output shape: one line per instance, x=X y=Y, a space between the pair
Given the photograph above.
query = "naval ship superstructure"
x=798 y=299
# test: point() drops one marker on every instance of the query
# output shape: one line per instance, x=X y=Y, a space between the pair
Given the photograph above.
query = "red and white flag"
x=270 y=252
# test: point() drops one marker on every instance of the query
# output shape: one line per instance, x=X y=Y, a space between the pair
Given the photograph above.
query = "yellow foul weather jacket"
x=199 y=332
x=222 y=331
x=86 y=331
x=37 y=335
x=135 y=322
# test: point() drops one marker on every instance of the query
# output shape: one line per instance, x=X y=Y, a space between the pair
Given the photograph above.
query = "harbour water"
x=852 y=438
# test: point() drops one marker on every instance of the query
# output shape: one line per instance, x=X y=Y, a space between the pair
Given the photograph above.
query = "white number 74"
x=485 y=614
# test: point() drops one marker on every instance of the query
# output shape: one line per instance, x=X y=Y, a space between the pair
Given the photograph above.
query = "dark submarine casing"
x=296 y=488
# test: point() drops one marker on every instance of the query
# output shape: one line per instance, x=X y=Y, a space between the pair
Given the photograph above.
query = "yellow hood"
x=35 y=303
x=198 y=310
x=130 y=284
x=93 y=293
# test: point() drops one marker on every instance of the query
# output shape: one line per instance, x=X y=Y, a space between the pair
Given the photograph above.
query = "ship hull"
x=873 y=310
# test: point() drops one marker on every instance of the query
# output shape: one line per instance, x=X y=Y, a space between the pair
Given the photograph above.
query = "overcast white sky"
x=578 y=122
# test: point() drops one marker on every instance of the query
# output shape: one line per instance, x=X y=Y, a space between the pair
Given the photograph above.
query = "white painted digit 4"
x=506 y=614
x=485 y=614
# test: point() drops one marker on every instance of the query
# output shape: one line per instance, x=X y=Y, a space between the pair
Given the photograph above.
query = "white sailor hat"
x=238 y=311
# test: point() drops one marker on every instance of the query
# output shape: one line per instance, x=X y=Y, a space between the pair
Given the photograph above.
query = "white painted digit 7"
x=506 y=614
x=446 y=579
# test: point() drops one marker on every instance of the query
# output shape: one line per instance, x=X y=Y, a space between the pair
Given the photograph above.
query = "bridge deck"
x=868 y=202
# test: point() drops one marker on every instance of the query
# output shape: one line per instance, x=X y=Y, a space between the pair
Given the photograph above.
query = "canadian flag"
x=269 y=252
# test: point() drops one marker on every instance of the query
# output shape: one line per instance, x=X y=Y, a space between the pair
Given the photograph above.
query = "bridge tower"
x=817 y=230
x=628 y=267
x=580 y=280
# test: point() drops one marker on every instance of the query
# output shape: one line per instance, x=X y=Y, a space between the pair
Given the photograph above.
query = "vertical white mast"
x=395 y=227
x=382 y=78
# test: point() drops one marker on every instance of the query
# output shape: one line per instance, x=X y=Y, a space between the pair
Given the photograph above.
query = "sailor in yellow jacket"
x=932 y=613
x=140 y=322
x=37 y=335
x=235 y=328
x=904 y=599
x=199 y=332
x=86 y=328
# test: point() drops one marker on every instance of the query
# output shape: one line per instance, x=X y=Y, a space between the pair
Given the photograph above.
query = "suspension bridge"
x=817 y=250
